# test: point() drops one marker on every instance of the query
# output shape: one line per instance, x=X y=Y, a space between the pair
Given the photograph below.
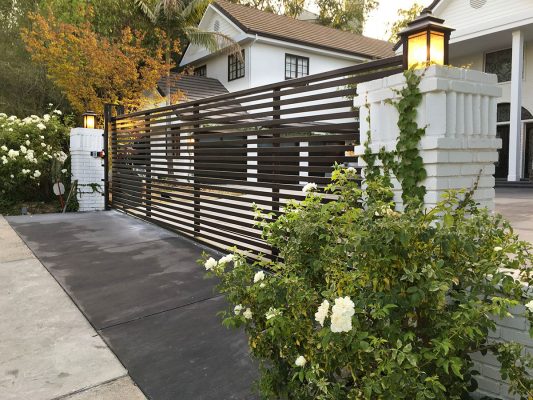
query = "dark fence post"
x=196 y=187
x=148 y=186
x=275 y=190
x=107 y=125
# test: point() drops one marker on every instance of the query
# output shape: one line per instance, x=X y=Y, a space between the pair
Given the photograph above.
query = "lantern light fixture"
x=425 y=41
x=89 y=119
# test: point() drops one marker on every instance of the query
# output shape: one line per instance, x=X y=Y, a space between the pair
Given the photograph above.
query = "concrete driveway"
x=140 y=288
x=516 y=205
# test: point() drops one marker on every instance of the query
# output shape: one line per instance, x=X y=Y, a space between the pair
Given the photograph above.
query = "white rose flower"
x=300 y=361
x=12 y=118
x=2 y=115
x=226 y=259
x=498 y=248
x=41 y=126
x=12 y=176
x=247 y=314
x=37 y=173
x=28 y=142
x=4 y=160
x=529 y=306
x=309 y=187
x=58 y=112
x=272 y=312
x=322 y=312
x=351 y=170
x=238 y=308
x=42 y=137
x=210 y=264
x=10 y=130
x=23 y=149
x=64 y=171
x=50 y=104
x=12 y=154
x=46 y=117
x=27 y=120
x=341 y=314
x=4 y=147
x=25 y=171
x=43 y=144
x=259 y=276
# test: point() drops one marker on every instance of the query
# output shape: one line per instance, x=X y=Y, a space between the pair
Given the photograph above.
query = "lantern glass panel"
x=436 y=49
x=417 y=52
x=89 y=121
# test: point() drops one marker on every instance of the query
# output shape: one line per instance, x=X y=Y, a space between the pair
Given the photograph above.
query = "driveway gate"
x=198 y=167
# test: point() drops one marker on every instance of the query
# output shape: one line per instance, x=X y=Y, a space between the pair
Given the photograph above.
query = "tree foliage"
x=24 y=87
x=348 y=15
x=91 y=69
x=405 y=16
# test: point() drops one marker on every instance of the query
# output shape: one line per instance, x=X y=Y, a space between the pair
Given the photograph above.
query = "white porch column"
x=515 y=132
x=458 y=109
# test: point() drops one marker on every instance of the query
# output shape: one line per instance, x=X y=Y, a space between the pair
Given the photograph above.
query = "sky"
x=380 y=19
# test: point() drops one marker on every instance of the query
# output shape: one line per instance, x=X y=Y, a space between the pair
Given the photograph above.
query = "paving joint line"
x=64 y=396
x=159 y=312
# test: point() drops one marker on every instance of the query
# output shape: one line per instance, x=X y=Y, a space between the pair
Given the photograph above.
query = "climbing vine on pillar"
x=405 y=161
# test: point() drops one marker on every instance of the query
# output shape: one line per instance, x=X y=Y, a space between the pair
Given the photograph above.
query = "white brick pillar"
x=458 y=109
x=87 y=169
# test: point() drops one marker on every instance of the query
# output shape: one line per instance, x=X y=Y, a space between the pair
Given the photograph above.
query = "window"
x=201 y=70
x=296 y=66
x=499 y=63
x=235 y=66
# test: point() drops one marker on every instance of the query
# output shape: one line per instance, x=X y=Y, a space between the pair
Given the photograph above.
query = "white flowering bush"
x=33 y=155
x=369 y=303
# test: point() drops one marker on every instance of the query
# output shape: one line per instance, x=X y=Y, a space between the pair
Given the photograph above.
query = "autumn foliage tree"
x=91 y=69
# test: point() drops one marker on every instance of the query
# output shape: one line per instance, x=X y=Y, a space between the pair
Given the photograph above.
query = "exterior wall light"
x=89 y=119
x=425 y=41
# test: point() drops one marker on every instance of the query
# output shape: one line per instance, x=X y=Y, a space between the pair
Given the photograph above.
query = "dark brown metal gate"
x=198 y=167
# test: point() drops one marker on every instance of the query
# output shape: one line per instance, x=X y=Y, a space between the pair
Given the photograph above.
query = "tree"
x=179 y=19
x=406 y=16
x=347 y=15
x=25 y=89
x=90 y=69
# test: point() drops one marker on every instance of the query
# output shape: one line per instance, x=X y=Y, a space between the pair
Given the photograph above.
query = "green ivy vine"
x=405 y=161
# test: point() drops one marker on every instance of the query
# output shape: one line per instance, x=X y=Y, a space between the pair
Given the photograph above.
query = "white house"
x=274 y=48
x=496 y=36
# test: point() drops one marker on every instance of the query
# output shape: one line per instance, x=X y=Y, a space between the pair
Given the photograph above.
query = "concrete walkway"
x=142 y=290
x=516 y=205
x=48 y=350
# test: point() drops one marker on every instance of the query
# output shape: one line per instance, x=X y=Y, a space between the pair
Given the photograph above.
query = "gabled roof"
x=274 y=26
x=192 y=86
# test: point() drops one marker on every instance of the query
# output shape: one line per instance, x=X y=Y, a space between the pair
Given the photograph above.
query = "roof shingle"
x=252 y=20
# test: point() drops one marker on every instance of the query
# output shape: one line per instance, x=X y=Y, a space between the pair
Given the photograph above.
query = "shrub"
x=33 y=155
x=369 y=303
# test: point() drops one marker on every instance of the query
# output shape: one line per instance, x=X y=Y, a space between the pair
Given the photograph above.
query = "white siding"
x=268 y=63
x=494 y=15
x=208 y=24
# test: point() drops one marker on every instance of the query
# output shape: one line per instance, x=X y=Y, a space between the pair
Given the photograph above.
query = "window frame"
x=297 y=57
x=200 y=68
x=240 y=66
x=498 y=51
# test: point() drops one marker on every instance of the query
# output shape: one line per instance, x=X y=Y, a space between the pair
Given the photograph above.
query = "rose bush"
x=370 y=303
x=33 y=155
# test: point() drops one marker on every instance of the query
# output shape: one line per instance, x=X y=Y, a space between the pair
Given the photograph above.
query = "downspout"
x=250 y=62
